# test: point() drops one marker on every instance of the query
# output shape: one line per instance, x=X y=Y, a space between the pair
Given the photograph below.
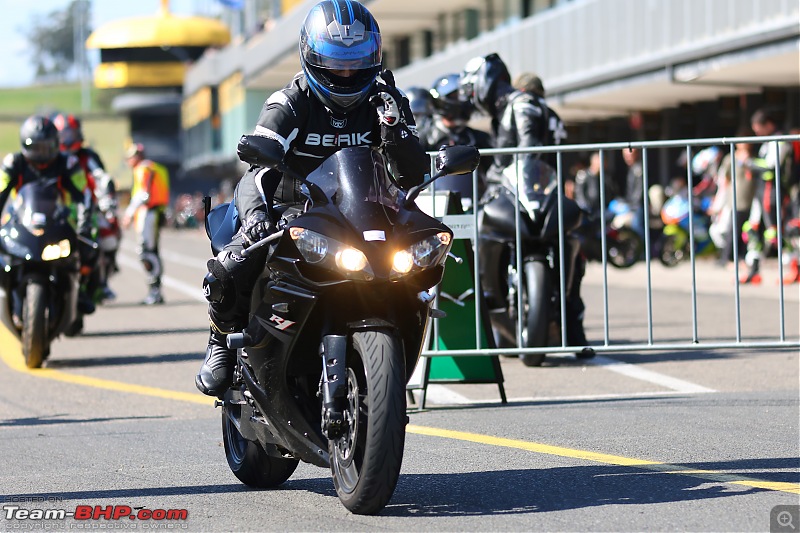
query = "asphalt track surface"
x=701 y=440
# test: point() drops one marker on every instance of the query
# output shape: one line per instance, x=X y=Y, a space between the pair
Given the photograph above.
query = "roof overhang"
x=732 y=73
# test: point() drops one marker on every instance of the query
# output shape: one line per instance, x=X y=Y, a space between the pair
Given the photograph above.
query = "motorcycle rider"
x=330 y=104
x=421 y=105
x=521 y=118
x=448 y=126
x=762 y=226
x=103 y=188
x=149 y=201
x=40 y=158
x=555 y=131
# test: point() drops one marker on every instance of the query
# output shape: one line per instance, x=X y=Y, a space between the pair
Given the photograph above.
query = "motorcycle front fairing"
x=37 y=239
x=299 y=302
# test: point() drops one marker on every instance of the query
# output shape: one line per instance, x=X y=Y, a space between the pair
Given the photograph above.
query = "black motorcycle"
x=338 y=322
x=624 y=246
x=39 y=268
x=527 y=290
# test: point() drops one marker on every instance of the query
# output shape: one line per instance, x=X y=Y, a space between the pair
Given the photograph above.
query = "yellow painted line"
x=11 y=354
x=616 y=460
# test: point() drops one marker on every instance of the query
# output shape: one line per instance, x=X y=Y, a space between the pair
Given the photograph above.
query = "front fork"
x=333 y=352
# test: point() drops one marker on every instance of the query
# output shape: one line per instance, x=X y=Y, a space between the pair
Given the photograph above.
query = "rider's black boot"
x=216 y=373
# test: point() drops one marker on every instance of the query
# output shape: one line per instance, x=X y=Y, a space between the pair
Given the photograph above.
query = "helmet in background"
x=336 y=36
x=70 y=135
x=420 y=102
x=38 y=138
x=480 y=80
x=447 y=101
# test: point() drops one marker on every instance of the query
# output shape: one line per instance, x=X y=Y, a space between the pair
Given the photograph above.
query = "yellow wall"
x=196 y=108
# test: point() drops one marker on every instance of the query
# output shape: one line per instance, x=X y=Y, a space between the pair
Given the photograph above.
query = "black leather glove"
x=257 y=227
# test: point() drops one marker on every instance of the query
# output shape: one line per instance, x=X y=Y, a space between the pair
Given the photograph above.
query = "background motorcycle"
x=39 y=268
x=675 y=242
x=539 y=304
x=624 y=247
x=338 y=322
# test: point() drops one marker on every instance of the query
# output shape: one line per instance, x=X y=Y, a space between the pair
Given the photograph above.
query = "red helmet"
x=70 y=136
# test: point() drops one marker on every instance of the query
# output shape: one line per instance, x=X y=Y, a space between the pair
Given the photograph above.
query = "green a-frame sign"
x=458 y=297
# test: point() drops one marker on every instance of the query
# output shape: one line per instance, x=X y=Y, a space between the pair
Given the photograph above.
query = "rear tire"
x=35 y=342
x=536 y=305
x=248 y=460
x=366 y=461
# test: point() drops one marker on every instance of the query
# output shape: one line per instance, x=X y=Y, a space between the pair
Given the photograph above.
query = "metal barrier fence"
x=693 y=343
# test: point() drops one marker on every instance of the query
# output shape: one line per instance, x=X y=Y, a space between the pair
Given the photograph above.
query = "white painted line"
x=193 y=291
x=441 y=395
x=593 y=397
x=172 y=257
x=637 y=372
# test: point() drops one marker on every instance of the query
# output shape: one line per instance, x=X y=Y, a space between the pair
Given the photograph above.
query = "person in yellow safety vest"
x=149 y=200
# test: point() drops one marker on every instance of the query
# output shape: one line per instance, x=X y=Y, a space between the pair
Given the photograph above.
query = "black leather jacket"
x=310 y=132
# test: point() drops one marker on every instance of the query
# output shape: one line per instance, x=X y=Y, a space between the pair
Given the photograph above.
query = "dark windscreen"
x=356 y=181
x=34 y=201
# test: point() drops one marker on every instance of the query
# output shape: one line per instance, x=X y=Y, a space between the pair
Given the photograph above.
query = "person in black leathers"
x=342 y=98
x=521 y=118
x=554 y=131
x=449 y=127
x=40 y=158
x=421 y=105
x=104 y=195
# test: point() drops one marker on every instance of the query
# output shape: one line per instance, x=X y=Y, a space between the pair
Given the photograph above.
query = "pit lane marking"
x=11 y=355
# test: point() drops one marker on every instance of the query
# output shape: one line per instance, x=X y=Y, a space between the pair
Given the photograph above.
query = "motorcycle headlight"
x=52 y=252
x=326 y=252
x=421 y=255
x=311 y=245
x=351 y=260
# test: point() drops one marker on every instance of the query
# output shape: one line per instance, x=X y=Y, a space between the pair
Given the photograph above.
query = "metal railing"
x=693 y=343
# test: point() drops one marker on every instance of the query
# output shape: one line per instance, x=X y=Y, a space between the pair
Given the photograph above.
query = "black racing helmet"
x=480 y=79
x=447 y=101
x=420 y=102
x=340 y=35
x=38 y=138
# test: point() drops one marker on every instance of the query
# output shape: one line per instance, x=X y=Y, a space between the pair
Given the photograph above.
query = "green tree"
x=57 y=41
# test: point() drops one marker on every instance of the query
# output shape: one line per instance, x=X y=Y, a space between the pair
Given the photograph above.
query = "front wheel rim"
x=346 y=446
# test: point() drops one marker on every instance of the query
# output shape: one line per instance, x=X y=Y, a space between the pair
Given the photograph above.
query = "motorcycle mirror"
x=449 y=161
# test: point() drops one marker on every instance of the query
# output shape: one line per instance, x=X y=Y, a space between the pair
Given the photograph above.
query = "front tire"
x=365 y=462
x=671 y=253
x=248 y=460
x=536 y=304
x=626 y=249
x=35 y=341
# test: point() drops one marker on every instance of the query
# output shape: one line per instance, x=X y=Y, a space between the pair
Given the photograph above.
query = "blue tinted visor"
x=359 y=51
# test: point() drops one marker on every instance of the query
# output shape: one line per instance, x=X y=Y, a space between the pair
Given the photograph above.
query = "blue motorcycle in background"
x=675 y=243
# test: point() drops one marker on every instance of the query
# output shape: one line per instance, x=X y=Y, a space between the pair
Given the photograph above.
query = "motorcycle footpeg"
x=238 y=340
x=245 y=339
